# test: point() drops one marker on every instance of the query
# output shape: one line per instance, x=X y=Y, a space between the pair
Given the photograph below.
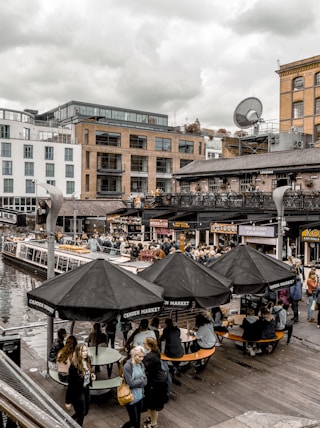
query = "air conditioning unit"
x=298 y=145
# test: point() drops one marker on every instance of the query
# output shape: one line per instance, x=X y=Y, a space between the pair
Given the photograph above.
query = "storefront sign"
x=250 y=230
x=181 y=225
x=154 y=222
x=227 y=228
x=310 y=235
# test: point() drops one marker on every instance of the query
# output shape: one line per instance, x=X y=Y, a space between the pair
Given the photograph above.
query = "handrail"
x=32 y=325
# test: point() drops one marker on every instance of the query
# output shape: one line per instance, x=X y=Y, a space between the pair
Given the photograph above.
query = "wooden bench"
x=227 y=335
x=200 y=358
x=97 y=385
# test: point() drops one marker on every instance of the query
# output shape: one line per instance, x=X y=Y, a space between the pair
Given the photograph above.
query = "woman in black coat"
x=156 y=389
x=80 y=379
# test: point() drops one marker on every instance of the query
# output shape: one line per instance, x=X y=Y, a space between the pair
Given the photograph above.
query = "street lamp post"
x=278 y=195
x=56 y=203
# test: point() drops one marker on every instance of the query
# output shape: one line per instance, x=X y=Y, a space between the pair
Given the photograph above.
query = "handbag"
x=124 y=393
x=314 y=305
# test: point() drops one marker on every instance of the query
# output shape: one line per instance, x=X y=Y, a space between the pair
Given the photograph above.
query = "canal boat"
x=33 y=255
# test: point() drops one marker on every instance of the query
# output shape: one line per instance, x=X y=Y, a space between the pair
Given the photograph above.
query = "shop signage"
x=155 y=222
x=181 y=225
x=250 y=230
x=310 y=235
x=227 y=228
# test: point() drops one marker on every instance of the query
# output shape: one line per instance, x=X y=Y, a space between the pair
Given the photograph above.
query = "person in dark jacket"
x=268 y=327
x=80 y=379
x=156 y=388
x=296 y=295
x=251 y=330
x=173 y=347
x=57 y=345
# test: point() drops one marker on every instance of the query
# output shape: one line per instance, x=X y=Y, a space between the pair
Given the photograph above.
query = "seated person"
x=268 y=327
x=217 y=318
x=96 y=337
x=280 y=314
x=139 y=336
x=57 y=345
x=173 y=346
x=64 y=358
x=251 y=330
x=205 y=337
x=111 y=327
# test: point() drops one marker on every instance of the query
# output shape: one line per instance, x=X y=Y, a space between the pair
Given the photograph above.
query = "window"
x=48 y=153
x=246 y=184
x=139 y=184
x=109 y=184
x=87 y=160
x=317 y=79
x=317 y=106
x=163 y=144
x=6 y=150
x=70 y=186
x=109 y=161
x=165 y=184
x=298 y=109
x=68 y=155
x=52 y=182
x=298 y=83
x=70 y=171
x=317 y=133
x=26 y=133
x=28 y=168
x=4 y=131
x=186 y=146
x=7 y=185
x=164 y=165
x=6 y=167
x=87 y=185
x=86 y=136
x=30 y=186
x=138 y=142
x=108 y=139
x=184 y=162
x=185 y=186
x=28 y=151
x=139 y=163
x=49 y=169
x=213 y=185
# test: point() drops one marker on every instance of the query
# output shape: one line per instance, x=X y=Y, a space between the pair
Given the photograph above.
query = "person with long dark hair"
x=81 y=376
x=64 y=358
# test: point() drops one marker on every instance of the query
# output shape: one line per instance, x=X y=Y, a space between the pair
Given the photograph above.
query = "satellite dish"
x=248 y=112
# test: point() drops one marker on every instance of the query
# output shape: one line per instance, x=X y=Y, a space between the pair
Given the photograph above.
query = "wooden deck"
x=285 y=382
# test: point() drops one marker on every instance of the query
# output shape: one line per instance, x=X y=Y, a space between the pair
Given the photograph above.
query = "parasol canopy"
x=252 y=271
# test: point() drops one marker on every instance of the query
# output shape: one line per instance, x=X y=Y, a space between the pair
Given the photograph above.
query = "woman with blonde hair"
x=80 y=379
x=64 y=358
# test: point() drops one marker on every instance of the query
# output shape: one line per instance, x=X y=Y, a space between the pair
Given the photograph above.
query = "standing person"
x=57 y=345
x=64 y=358
x=155 y=325
x=135 y=376
x=173 y=347
x=280 y=314
x=312 y=284
x=80 y=379
x=296 y=295
x=111 y=327
x=156 y=388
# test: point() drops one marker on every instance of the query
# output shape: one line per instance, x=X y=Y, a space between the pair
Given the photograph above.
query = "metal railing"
x=23 y=402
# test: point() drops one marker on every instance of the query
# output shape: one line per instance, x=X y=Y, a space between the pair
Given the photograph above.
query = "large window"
x=163 y=144
x=68 y=154
x=48 y=153
x=6 y=150
x=4 y=131
x=28 y=151
x=69 y=171
x=108 y=139
x=185 y=186
x=317 y=133
x=109 y=184
x=165 y=184
x=109 y=161
x=70 y=187
x=49 y=169
x=29 y=168
x=317 y=79
x=298 y=83
x=164 y=165
x=6 y=167
x=298 y=109
x=213 y=185
x=139 y=163
x=138 y=142
x=317 y=106
x=30 y=186
x=139 y=184
x=186 y=146
x=8 y=185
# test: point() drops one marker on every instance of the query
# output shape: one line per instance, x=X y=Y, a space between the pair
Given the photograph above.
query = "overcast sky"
x=185 y=58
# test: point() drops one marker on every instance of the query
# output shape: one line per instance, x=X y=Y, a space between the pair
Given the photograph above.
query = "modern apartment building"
x=35 y=152
x=300 y=97
x=126 y=151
